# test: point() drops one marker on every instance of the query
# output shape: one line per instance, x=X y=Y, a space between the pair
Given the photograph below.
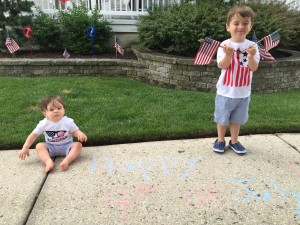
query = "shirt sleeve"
x=220 y=54
x=39 y=128
x=72 y=125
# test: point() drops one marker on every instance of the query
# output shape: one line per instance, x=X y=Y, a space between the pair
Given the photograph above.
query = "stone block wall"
x=158 y=69
x=180 y=73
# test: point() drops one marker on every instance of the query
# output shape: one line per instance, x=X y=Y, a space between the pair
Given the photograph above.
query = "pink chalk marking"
x=291 y=167
x=123 y=203
x=144 y=189
x=202 y=198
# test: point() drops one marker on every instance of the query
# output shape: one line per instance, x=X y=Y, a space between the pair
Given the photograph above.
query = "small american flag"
x=271 y=40
x=264 y=56
x=66 y=54
x=206 y=52
x=11 y=45
x=118 y=46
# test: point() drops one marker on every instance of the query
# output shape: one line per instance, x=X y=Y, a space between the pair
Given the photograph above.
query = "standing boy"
x=238 y=58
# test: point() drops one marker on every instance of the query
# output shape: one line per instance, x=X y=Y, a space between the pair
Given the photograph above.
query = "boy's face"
x=239 y=27
x=55 y=111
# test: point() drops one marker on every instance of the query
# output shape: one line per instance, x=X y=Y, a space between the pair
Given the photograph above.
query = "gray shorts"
x=231 y=110
x=59 y=150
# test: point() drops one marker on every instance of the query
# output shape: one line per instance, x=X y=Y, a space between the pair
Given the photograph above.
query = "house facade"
x=122 y=14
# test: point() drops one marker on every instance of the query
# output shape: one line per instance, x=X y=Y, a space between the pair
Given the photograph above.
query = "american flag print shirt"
x=235 y=81
x=57 y=132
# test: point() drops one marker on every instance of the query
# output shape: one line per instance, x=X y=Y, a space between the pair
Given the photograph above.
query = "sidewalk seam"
x=294 y=147
x=36 y=197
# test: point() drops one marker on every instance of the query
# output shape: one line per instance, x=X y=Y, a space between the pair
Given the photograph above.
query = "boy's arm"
x=80 y=136
x=29 y=141
x=252 y=63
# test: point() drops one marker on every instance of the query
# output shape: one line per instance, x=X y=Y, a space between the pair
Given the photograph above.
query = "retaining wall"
x=160 y=69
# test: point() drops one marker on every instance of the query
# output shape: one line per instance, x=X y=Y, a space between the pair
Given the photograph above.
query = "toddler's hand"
x=81 y=137
x=23 y=153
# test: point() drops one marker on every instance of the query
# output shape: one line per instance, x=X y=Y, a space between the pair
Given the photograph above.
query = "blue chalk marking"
x=282 y=194
x=109 y=165
x=165 y=168
x=145 y=175
x=192 y=164
x=132 y=167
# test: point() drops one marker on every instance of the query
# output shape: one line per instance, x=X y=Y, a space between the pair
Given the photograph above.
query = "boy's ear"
x=44 y=113
x=227 y=27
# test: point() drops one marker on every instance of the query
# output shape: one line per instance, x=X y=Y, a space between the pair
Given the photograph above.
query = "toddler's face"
x=55 y=111
x=239 y=27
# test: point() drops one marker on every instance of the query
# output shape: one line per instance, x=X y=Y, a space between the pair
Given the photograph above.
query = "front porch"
x=122 y=14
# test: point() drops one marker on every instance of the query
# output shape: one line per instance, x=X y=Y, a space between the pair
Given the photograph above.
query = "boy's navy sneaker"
x=219 y=146
x=237 y=147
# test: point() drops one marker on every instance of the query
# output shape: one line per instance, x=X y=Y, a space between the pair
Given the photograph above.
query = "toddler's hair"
x=244 y=11
x=47 y=100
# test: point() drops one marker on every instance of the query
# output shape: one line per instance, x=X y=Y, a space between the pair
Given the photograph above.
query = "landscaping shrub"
x=67 y=29
x=177 y=28
x=47 y=32
x=73 y=26
x=14 y=15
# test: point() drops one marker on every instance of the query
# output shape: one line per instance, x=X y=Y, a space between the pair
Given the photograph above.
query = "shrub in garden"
x=73 y=24
x=47 y=32
x=177 y=28
x=14 y=15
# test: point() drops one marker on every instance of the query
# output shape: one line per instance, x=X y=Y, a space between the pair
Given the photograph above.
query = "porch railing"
x=108 y=8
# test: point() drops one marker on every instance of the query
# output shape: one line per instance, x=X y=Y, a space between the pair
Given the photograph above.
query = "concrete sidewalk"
x=166 y=182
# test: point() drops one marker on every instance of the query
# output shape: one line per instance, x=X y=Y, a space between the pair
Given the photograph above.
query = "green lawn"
x=121 y=110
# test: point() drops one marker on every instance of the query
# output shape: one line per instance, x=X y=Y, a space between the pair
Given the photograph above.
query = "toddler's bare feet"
x=49 y=165
x=64 y=164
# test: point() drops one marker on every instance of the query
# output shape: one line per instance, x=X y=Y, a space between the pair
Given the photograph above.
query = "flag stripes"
x=264 y=56
x=118 y=46
x=271 y=40
x=206 y=52
x=11 y=45
x=237 y=75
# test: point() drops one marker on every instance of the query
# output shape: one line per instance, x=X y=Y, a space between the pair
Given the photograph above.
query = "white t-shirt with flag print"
x=57 y=132
x=235 y=81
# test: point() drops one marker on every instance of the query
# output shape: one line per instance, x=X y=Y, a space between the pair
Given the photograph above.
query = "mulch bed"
x=56 y=55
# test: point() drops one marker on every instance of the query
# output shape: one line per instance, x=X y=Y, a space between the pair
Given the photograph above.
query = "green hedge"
x=68 y=30
x=177 y=28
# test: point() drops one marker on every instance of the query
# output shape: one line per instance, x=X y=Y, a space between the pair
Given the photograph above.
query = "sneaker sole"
x=236 y=151
x=218 y=150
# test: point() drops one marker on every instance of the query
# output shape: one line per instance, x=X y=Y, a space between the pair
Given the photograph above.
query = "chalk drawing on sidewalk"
x=208 y=195
x=152 y=172
x=293 y=168
x=167 y=166
x=264 y=195
x=125 y=201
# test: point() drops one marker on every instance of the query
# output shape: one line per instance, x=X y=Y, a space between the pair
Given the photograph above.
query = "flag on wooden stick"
x=264 y=56
x=11 y=45
x=272 y=40
x=118 y=46
x=206 y=52
x=66 y=54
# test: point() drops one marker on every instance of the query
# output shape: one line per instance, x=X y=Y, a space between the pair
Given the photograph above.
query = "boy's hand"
x=228 y=50
x=251 y=50
x=23 y=153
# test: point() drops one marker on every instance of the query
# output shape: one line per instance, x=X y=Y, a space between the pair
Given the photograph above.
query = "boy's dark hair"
x=46 y=100
x=244 y=11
